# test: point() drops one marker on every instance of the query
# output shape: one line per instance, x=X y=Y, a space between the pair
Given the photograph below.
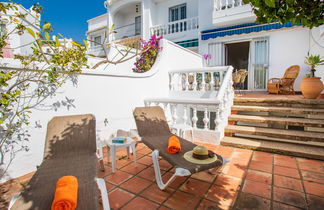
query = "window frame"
x=178 y=8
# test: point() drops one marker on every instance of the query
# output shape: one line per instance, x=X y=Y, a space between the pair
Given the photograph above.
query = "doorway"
x=237 y=55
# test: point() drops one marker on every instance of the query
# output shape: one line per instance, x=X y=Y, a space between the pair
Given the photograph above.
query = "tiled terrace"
x=252 y=180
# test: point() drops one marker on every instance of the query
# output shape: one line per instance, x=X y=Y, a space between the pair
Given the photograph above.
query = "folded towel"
x=174 y=145
x=66 y=193
x=119 y=140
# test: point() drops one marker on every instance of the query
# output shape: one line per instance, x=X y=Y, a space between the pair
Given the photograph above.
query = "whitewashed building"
x=19 y=44
x=226 y=29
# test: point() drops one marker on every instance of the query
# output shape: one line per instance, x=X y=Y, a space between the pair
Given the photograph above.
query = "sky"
x=68 y=17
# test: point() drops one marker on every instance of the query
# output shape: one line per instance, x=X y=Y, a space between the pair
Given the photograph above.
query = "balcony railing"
x=175 y=27
x=227 y=4
x=127 y=31
x=199 y=113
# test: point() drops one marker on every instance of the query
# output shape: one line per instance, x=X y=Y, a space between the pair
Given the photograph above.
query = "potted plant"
x=311 y=86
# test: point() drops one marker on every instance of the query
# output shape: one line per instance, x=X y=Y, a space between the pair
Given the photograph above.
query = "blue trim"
x=242 y=29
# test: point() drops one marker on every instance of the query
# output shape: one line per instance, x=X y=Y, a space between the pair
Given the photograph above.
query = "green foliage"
x=40 y=75
x=314 y=60
x=309 y=13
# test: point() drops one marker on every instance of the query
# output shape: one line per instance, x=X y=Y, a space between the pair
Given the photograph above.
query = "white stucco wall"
x=98 y=22
x=110 y=93
x=286 y=47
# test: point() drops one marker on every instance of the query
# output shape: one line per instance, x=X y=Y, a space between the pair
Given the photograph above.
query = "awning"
x=242 y=29
x=188 y=43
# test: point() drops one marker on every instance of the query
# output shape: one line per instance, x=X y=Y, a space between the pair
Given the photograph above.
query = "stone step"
x=306 y=151
x=276 y=133
x=281 y=102
x=286 y=110
x=319 y=123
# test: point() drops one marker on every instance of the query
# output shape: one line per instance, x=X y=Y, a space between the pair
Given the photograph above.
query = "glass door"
x=260 y=63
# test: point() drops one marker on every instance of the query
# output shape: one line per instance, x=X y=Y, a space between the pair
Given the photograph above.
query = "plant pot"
x=311 y=87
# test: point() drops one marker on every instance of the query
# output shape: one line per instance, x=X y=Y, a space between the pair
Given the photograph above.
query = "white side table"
x=130 y=143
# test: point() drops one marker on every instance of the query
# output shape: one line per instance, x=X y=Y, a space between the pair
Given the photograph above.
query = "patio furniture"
x=239 y=79
x=285 y=84
x=130 y=143
x=70 y=150
x=154 y=131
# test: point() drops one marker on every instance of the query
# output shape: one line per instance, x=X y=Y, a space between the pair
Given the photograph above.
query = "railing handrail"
x=174 y=22
x=203 y=69
x=222 y=89
x=201 y=101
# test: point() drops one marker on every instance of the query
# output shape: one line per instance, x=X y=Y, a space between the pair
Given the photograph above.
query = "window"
x=97 y=40
x=178 y=12
x=138 y=23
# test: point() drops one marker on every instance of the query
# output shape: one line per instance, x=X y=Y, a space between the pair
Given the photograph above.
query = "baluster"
x=187 y=81
x=220 y=5
x=194 y=84
x=227 y=3
x=194 y=117
x=240 y=2
x=185 y=115
x=174 y=114
x=206 y=118
x=233 y=2
x=146 y=103
x=203 y=82
x=217 y=120
x=171 y=86
x=179 y=81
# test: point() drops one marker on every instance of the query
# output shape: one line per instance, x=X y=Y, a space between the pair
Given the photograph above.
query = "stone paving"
x=251 y=180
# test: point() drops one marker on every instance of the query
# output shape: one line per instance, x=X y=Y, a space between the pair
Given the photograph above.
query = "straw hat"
x=200 y=155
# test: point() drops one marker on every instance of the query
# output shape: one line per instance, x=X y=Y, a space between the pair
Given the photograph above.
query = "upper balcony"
x=127 y=21
x=176 y=28
x=232 y=12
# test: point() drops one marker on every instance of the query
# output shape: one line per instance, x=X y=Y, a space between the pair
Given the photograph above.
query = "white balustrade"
x=201 y=79
x=181 y=110
x=175 y=27
x=227 y=4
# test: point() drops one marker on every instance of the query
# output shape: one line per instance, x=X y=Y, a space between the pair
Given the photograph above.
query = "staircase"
x=287 y=126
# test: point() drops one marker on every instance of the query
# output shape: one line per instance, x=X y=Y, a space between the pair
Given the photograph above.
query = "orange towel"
x=66 y=193
x=174 y=145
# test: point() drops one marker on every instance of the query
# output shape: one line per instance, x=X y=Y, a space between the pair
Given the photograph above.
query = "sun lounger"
x=70 y=149
x=154 y=132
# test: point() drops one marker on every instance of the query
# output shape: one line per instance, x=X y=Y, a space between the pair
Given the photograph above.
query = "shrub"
x=148 y=55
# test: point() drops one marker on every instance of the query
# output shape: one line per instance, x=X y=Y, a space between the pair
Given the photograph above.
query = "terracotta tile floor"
x=251 y=180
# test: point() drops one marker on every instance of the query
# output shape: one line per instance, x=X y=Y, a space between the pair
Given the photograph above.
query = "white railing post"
x=187 y=81
x=217 y=120
x=194 y=117
x=203 y=83
x=185 y=115
x=174 y=114
x=206 y=118
x=194 y=84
